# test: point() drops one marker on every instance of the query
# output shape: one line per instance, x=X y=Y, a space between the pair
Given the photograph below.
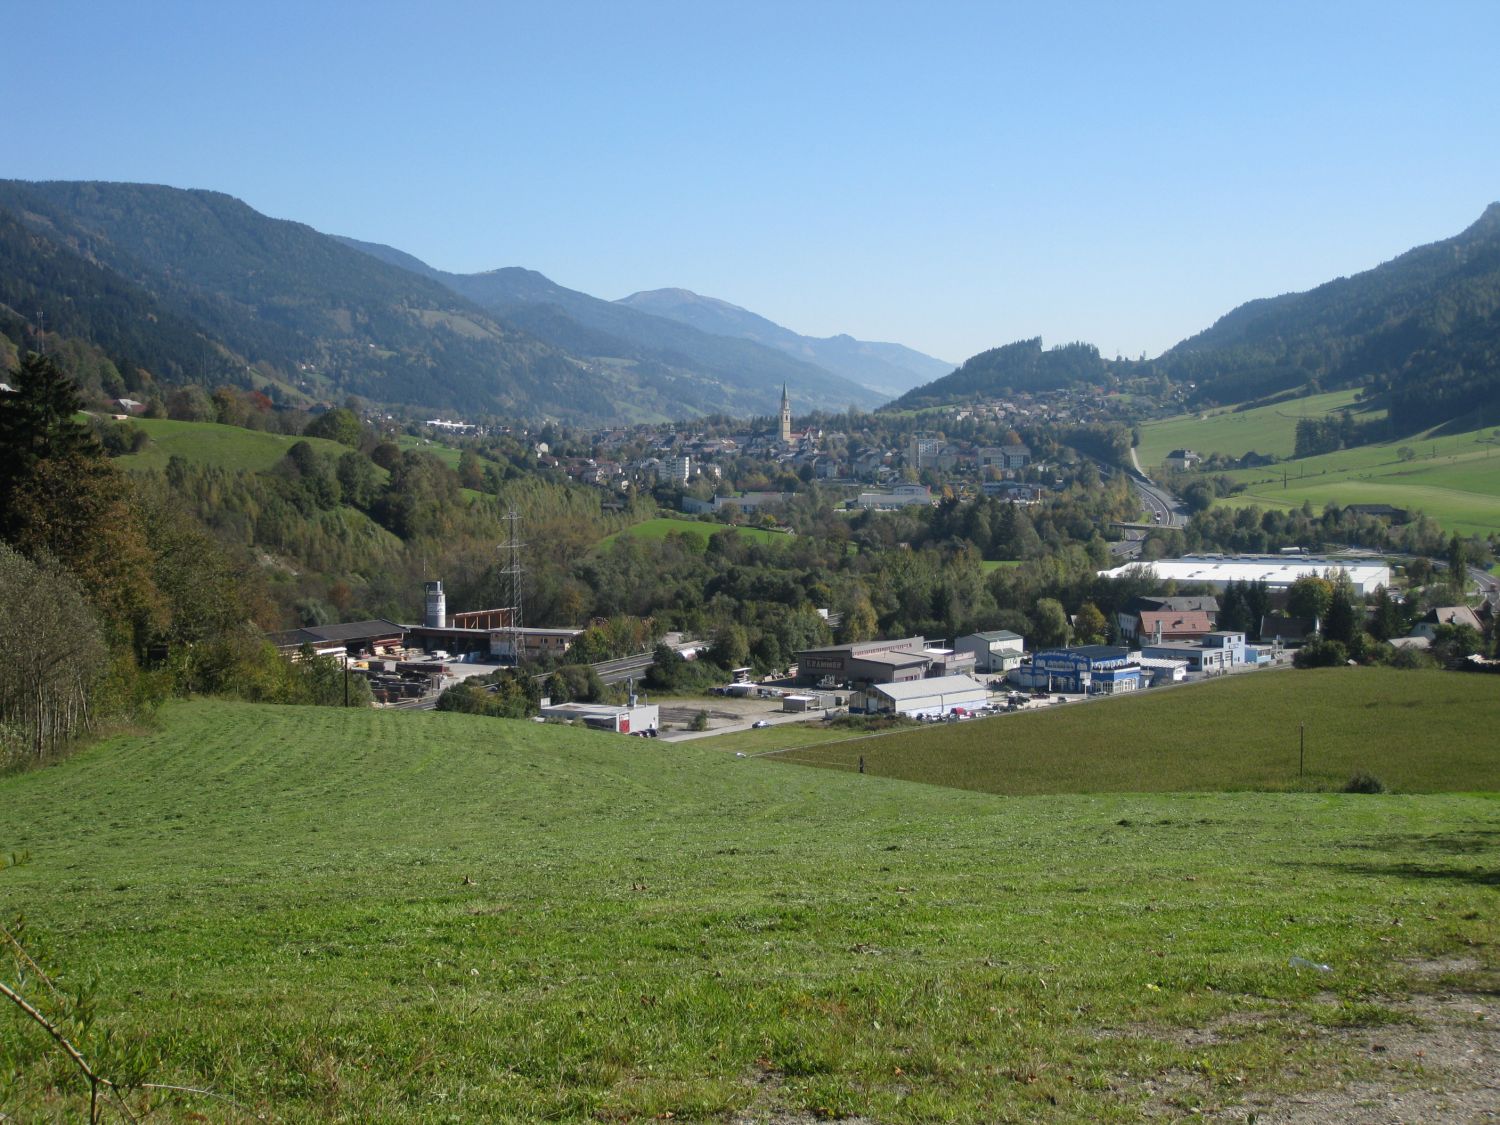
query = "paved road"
x=1487 y=582
x=1159 y=502
x=1154 y=498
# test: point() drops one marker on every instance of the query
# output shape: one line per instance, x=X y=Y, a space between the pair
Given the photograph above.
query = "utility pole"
x=513 y=570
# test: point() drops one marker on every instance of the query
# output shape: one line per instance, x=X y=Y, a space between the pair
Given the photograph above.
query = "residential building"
x=1128 y=618
x=1171 y=625
x=1447 y=615
x=923 y=449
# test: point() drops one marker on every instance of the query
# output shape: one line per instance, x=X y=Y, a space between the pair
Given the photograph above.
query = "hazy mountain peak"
x=887 y=369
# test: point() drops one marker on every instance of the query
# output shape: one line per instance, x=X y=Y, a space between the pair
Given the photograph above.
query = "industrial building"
x=862 y=663
x=995 y=652
x=353 y=638
x=1278 y=572
x=635 y=718
x=934 y=698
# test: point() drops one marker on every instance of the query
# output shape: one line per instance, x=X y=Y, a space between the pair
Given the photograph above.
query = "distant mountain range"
x=156 y=286
x=888 y=369
x=169 y=286
x=1421 y=331
x=714 y=372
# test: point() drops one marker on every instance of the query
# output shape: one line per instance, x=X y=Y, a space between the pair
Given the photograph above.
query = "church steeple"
x=786 y=416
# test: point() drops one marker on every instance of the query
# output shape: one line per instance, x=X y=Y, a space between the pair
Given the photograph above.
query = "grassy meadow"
x=1265 y=429
x=1454 y=478
x=208 y=443
x=1419 y=732
x=332 y=915
x=663 y=526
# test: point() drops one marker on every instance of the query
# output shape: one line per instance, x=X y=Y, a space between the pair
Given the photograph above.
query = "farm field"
x=663 y=526
x=1454 y=479
x=1238 y=733
x=349 y=915
x=1265 y=429
x=209 y=443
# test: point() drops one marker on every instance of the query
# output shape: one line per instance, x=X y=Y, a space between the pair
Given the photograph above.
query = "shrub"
x=1364 y=781
x=700 y=721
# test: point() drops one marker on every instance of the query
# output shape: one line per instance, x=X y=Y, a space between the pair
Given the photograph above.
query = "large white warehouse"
x=1276 y=571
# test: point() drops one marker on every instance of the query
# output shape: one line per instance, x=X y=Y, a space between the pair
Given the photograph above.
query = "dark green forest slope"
x=1022 y=366
x=1424 y=328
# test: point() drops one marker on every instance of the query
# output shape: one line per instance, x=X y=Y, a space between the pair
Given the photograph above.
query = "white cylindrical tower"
x=437 y=607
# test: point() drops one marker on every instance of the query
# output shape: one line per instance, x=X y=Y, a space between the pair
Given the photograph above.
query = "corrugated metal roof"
x=938 y=685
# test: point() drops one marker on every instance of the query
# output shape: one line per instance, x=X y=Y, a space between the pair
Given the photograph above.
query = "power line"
x=513 y=570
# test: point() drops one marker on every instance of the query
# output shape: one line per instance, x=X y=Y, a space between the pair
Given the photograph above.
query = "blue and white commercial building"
x=1089 y=669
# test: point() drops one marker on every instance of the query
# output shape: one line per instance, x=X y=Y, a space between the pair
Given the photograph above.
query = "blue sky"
x=951 y=176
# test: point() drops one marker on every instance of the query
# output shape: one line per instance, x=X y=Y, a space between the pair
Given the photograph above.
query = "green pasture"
x=209 y=443
x=447 y=454
x=663 y=526
x=327 y=915
x=1238 y=733
x=1454 y=478
x=1265 y=429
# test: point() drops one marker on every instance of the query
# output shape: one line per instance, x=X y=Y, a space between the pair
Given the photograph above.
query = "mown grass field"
x=1419 y=732
x=1454 y=478
x=1265 y=429
x=208 y=443
x=357 y=916
x=663 y=526
x=447 y=454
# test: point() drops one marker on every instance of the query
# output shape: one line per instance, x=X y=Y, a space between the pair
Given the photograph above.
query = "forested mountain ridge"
x=886 y=368
x=1021 y=366
x=711 y=372
x=298 y=306
x=79 y=299
x=1424 y=328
